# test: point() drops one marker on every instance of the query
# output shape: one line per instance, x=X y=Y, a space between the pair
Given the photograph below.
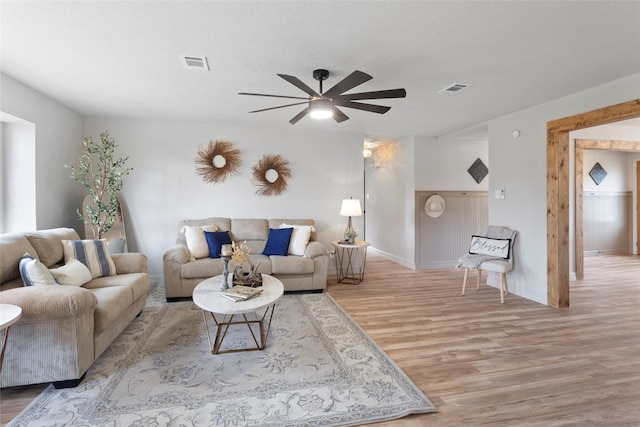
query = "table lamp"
x=350 y=207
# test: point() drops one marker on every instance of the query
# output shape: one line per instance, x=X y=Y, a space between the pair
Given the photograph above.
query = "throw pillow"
x=34 y=273
x=299 y=238
x=196 y=240
x=73 y=273
x=215 y=240
x=278 y=241
x=485 y=246
x=92 y=253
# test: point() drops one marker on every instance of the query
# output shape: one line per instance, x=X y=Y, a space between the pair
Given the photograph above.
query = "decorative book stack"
x=240 y=293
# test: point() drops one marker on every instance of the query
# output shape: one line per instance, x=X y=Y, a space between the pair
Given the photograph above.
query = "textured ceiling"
x=122 y=58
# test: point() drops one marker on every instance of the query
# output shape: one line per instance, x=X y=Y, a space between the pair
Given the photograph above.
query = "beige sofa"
x=183 y=272
x=64 y=329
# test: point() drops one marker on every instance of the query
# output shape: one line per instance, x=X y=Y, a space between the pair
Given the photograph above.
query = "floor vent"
x=454 y=88
x=195 y=63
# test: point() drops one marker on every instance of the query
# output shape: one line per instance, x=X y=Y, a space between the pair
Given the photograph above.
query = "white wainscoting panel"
x=607 y=222
x=442 y=240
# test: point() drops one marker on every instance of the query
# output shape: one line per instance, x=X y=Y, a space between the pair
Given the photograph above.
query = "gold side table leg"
x=4 y=346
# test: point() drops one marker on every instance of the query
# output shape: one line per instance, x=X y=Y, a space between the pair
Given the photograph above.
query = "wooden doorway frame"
x=558 y=191
x=581 y=145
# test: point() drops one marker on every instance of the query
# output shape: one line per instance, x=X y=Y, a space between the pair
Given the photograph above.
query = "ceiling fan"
x=324 y=104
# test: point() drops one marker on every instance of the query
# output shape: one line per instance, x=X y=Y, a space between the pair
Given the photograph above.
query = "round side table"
x=9 y=314
x=350 y=261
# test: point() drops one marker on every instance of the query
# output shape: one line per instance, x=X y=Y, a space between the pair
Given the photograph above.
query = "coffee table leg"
x=223 y=326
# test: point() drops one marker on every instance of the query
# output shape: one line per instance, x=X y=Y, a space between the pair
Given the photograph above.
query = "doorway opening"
x=558 y=191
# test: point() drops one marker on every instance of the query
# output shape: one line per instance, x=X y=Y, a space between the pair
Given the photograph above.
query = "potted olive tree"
x=101 y=175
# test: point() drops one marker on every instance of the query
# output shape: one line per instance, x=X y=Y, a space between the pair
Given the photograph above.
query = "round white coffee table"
x=256 y=312
x=9 y=314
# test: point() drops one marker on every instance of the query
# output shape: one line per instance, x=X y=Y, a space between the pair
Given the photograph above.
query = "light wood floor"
x=485 y=363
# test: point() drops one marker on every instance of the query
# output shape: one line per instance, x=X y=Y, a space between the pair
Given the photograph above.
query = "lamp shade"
x=351 y=207
x=321 y=109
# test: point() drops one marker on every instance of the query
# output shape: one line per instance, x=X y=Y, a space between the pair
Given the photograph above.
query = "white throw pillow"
x=196 y=240
x=92 y=253
x=73 y=273
x=299 y=238
x=34 y=273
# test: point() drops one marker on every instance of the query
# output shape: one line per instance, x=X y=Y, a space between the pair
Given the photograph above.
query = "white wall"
x=442 y=163
x=58 y=141
x=621 y=132
x=390 y=208
x=417 y=163
x=519 y=165
x=616 y=165
x=163 y=187
x=18 y=174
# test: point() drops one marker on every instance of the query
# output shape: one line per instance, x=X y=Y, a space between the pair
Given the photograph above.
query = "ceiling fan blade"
x=300 y=85
x=339 y=116
x=377 y=94
x=300 y=115
x=273 y=96
x=380 y=109
x=352 y=80
x=281 y=106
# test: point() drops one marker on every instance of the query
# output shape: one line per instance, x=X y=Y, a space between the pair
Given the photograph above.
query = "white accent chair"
x=485 y=262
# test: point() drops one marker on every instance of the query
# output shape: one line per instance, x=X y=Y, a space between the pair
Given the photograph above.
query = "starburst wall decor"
x=217 y=161
x=270 y=175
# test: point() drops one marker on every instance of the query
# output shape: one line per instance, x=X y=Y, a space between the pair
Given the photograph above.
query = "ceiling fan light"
x=321 y=109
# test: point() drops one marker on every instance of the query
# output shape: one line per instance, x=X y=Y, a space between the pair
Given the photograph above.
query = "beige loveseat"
x=64 y=329
x=183 y=272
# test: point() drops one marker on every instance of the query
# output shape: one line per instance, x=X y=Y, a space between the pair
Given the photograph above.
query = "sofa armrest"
x=130 y=262
x=315 y=249
x=177 y=253
x=172 y=261
x=50 y=302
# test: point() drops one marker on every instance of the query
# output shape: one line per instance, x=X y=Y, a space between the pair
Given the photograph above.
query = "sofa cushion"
x=92 y=253
x=215 y=240
x=249 y=229
x=278 y=241
x=136 y=283
x=12 y=247
x=73 y=273
x=299 y=238
x=291 y=265
x=111 y=300
x=196 y=240
x=35 y=273
x=201 y=268
x=48 y=243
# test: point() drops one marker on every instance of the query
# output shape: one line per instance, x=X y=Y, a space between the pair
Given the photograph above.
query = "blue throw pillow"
x=278 y=241
x=215 y=240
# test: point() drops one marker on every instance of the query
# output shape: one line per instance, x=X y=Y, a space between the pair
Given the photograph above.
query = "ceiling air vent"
x=195 y=63
x=454 y=88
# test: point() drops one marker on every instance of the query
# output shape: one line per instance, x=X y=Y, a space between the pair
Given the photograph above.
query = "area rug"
x=319 y=369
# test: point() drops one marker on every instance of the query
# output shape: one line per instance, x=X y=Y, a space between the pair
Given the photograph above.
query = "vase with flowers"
x=240 y=256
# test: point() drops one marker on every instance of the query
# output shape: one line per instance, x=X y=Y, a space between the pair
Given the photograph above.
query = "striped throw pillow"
x=92 y=253
x=34 y=273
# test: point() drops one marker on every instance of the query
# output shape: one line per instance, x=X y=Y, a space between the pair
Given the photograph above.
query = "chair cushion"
x=496 y=265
